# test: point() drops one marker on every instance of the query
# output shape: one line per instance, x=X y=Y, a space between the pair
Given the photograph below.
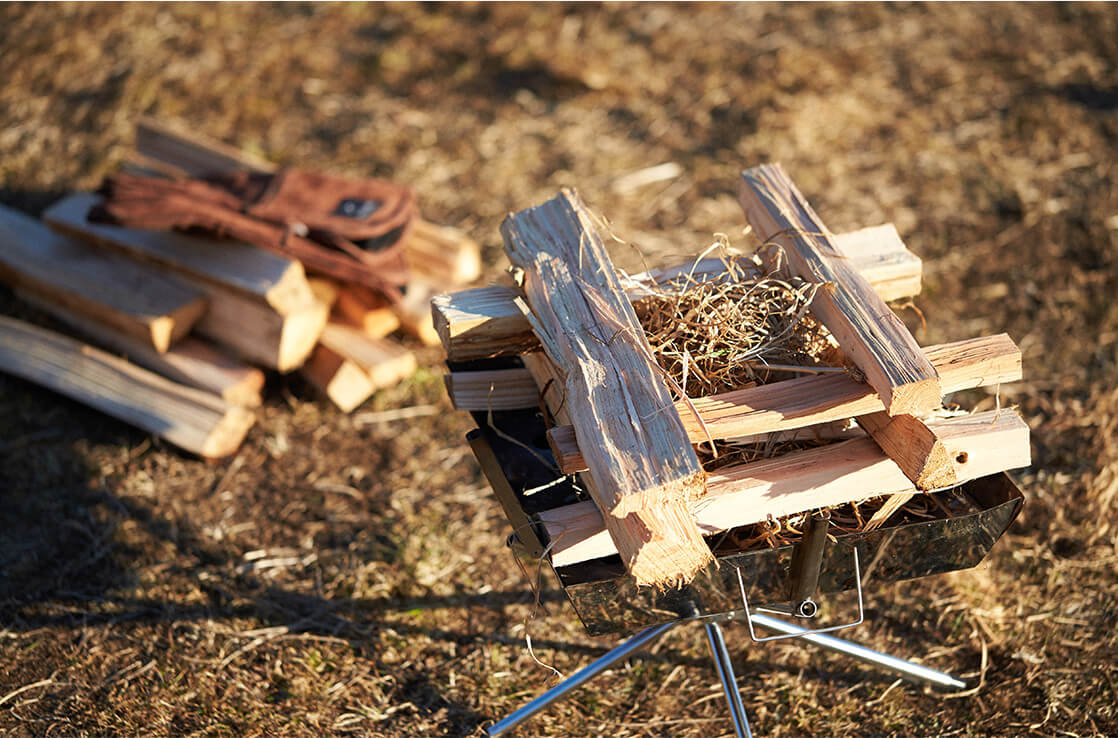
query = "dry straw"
x=739 y=324
x=742 y=325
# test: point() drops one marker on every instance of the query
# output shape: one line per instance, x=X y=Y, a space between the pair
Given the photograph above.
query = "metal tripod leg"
x=904 y=668
x=724 y=668
x=576 y=680
x=729 y=682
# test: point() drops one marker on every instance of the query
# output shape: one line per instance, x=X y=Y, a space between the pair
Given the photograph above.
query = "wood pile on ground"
x=728 y=391
x=173 y=332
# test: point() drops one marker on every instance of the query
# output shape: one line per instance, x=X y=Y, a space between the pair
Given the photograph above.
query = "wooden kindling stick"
x=850 y=471
x=643 y=471
x=806 y=401
x=866 y=329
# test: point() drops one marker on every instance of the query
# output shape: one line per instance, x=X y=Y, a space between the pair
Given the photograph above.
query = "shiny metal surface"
x=725 y=670
x=907 y=669
x=576 y=680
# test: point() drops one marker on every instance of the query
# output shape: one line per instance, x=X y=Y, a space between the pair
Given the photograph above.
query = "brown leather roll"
x=351 y=230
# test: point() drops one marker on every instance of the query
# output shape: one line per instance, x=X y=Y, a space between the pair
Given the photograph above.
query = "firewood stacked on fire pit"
x=201 y=319
x=622 y=422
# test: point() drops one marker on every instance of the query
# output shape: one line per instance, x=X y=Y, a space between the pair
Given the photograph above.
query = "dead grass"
x=717 y=333
x=345 y=578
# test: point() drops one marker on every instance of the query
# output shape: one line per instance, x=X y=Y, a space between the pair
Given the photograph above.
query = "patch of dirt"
x=341 y=576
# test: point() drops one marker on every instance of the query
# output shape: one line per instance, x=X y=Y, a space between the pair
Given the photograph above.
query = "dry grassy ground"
x=132 y=599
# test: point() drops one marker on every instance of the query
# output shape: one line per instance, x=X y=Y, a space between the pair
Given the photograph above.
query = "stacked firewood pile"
x=173 y=333
x=726 y=394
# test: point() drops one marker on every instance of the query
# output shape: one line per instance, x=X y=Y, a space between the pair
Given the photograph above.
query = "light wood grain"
x=342 y=381
x=485 y=321
x=864 y=326
x=806 y=401
x=325 y=291
x=278 y=281
x=384 y=361
x=495 y=389
x=880 y=256
x=130 y=298
x=414 y=310
x=443 y=253
x=245 y=298
x=642 y=469
x=910 y=442
x=482 y=322
x=190 y=361
x=257 y=333
x=849 y=471
x=348 y=366
x=189 y=418
x=358 y=306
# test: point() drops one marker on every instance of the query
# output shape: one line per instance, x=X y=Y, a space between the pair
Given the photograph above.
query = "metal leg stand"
x=915 y=672
x=729 y=682
x=576 y=680
x=724 y=668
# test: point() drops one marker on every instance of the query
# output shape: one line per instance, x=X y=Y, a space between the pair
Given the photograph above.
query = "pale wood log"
x=276 y=280
x=385 y=361
x=189 y=418
x=850 y=471
x=342 y=381
x=132 y=299
x=438 y=252
x=485 y=321
x=910 y=442
x=244 y=313
x=257 y=333
x=880 y=256
x=835 y=430
x=190 y=361
x=806 y=401
x=642 y=469
x=967 y=442
x=348 y=366
x=482 y=322
x=358 y=306
x=495 y=389
x=325 y=291
x=443 y=253
x=414 y=310
x=866 y=329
